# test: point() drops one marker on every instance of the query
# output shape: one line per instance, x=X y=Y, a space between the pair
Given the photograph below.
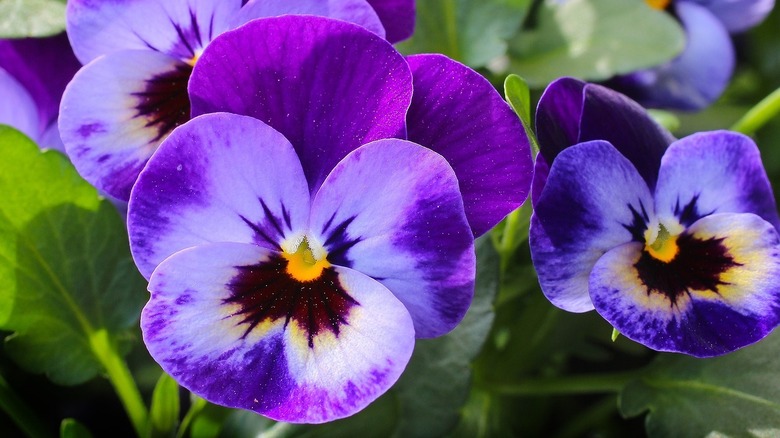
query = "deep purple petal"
x=353 y=11
x=457 y=113
x=117 y=110
x=17 y=107
x=327 y=85
x=397 y=16
x=558 y=116
x=724 y=298
x=178 y=28
x=594 y=200
x=230 y=344
x=714 y=172
x=44 y=66
x=738 y=15
x=218 y=178
x=697 y=77
x=392 y=210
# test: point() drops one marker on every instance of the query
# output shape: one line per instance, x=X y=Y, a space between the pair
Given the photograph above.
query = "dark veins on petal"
x=697 y=266
x=689 y=213
x=638 y=225
x=271 y=229
x=165 y=103
x=339 y=242
x=266 y=292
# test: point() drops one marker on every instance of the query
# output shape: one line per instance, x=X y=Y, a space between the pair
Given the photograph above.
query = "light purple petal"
x=392 y=210
x=714 y=172
x=594 y=200
x=212 y=324
x=397 y=17
x=738 y=15
x=353 y=11
x=117 y=110
x=218 y=178
x=44 y=66
x=697 y=77
x=327 y=85
x=17 y=107
x=178 y=28
x=457 y=113
x=709 y=314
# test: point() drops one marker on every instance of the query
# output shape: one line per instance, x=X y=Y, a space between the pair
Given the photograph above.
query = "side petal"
x=397 y=16
x=457 y=113
x=198 y=326
x=714 y=172
x=392 y=210
x=353 y=11
x=697 y=77
x=17 y=107
x=307 y=77
x=117 y=110
x=717 y=300
x=178 y=28
x=218 y=178
x=738 y=15
x=594 y=200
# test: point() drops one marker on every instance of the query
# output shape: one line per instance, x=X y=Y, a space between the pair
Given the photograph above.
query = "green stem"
x=759 y=115
x=198 y=404
x=583 y=384
x=119 y=375
x=20 y=412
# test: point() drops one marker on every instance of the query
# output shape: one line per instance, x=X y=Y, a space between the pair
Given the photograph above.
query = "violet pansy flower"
x=33 y=75
x=139 y=55
x=698 y=75
x=675 y=243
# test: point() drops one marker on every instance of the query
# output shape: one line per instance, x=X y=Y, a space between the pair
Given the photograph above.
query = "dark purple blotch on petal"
x=272 y=229
x=164 y=103
x=638 y=223
x=267 y=292
x=339 y=242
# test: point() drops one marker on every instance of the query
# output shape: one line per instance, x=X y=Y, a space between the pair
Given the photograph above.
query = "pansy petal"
x=392 y=210
x=397 y=16
x=308 y=78
x=594 y=200
x=738 y=15
x=178 y=28
x=44 y=66
x=720 y=293
x=224 y=323
x=117 y=110
x=558 y=116
x=218 y=178
x=477 y=133
x=714 y=172
x=17 y=107
x=353 y=11
x=694 y=79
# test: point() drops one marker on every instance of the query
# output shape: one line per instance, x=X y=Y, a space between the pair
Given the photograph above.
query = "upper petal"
x=714 y=172
x=218 y=178
x=392 y=210
x=457 y=113
x=17 y=107
x=178 y=28
x=558 y=116
x=594 y=200
x=397 y=17
x=738 y=15
x=227 y=324
x=327 y=85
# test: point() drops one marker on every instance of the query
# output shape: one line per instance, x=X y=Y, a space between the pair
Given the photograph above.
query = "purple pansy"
x=330 y=87
x=33 y=75
x=139 y=56
x=302 y=306
x=674 y=242
x=698 y=76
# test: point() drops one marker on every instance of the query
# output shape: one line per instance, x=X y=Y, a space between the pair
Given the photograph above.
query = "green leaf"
x=31 y=18
x=70 y=428
x=733 y=395
x=471 y=31
x=594 y=40
x=68 y=287
x=164 y=412
x=519 y=97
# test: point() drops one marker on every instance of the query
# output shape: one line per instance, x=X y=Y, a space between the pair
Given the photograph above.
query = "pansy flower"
x=138 y=58
x=698 y=76
x=674 y=243
x=33 y=75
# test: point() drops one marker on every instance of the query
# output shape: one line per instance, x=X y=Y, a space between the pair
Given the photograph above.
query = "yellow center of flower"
x=302 y=265
x=662 y=246
x=658 y=4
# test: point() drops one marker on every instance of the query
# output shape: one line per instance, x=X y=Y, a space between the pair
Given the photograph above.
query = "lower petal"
x=195 y=328
x=724 y=296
